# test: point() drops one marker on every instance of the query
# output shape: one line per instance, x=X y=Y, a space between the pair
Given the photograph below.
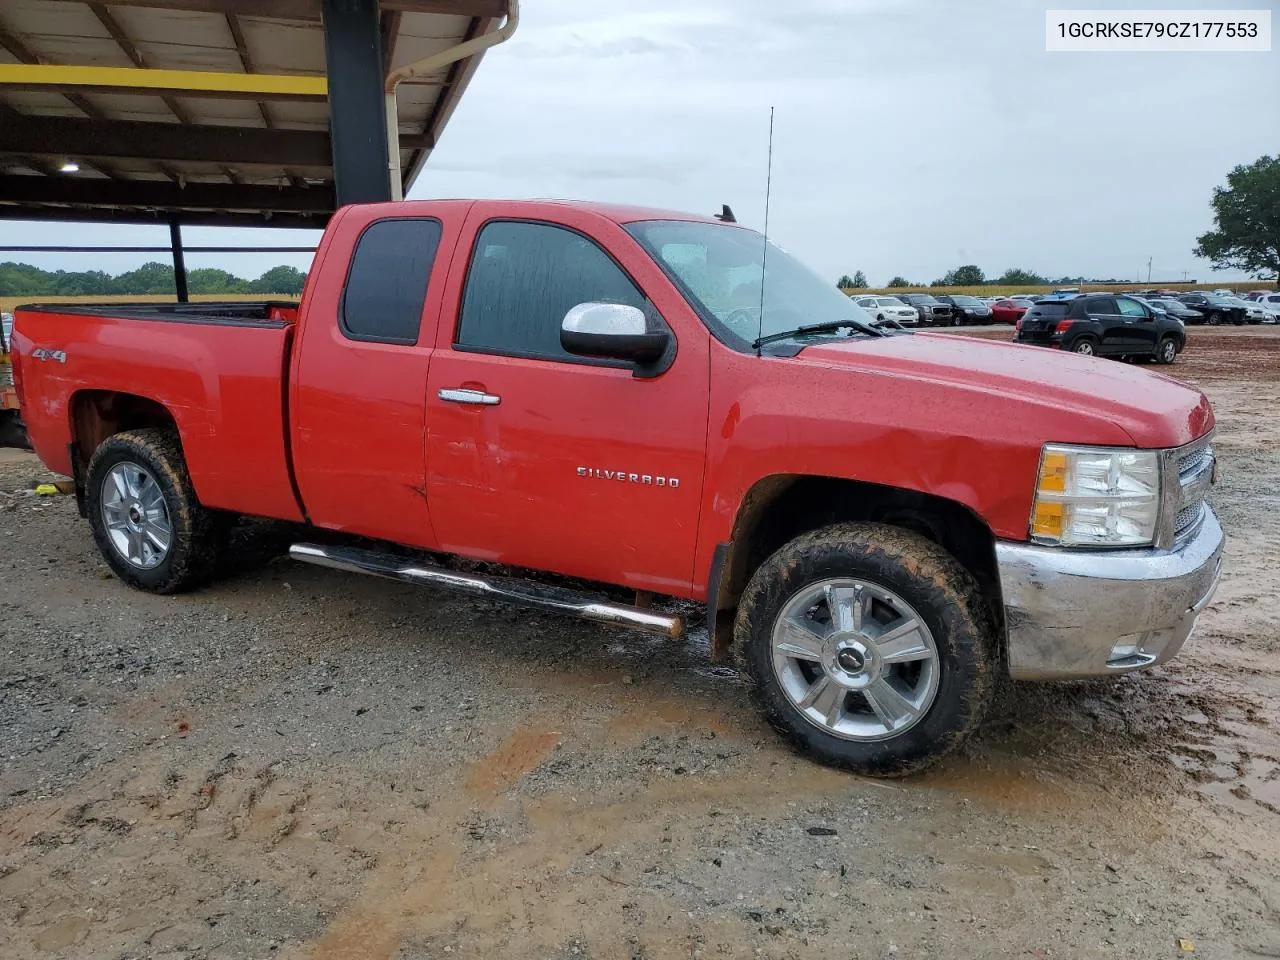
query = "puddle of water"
x=1003 y=783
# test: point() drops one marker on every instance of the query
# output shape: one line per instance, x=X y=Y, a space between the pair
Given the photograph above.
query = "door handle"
x=477 y=397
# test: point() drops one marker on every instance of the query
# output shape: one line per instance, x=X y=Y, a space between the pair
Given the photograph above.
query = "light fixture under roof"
x=70 y=166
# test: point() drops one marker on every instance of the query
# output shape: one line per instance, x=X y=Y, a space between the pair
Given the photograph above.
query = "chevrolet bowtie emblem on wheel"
x=647 y=479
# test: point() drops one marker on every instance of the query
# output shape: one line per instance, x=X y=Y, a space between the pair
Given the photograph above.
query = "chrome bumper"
x=1070 y=613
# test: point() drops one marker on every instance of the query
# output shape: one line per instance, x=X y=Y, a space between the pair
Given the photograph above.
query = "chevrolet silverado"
x=879 y=523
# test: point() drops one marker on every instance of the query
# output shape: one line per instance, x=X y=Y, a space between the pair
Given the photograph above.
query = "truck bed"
x=226 y=312
x=219 y=371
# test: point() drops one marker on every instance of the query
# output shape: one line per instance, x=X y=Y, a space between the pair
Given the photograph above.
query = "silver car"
x=889 y=308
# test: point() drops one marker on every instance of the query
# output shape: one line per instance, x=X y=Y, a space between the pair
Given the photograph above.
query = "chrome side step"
x=355 y=560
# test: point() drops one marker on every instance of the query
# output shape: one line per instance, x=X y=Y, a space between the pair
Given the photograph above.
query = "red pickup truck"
x=880 y=523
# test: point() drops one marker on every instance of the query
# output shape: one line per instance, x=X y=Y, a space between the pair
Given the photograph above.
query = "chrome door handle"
x=477 y=397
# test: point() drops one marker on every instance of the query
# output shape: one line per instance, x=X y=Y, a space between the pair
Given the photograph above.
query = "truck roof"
x=617 y=212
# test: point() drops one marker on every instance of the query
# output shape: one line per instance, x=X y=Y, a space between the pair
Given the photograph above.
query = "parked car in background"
x=1009 y=309
x=931 y=309
x=1102 y=325
x=965 y=310
x=889 y=308
x=1177 y=309
x=1216 y=309
x=1270 y=302
x=1253 y=312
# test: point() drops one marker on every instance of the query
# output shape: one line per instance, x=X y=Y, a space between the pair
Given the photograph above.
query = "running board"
x=525 y=592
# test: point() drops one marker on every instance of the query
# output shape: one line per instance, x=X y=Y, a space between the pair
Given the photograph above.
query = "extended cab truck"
x=879 y=522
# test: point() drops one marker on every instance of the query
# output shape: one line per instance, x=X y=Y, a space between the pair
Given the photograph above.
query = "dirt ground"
x=300 y=763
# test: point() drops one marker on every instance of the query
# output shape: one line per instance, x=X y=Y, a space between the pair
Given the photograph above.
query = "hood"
x=1154 y=410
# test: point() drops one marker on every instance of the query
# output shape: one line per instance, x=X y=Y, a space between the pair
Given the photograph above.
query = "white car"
x=1270 y=302
x=1253 y=312
x=888 y=308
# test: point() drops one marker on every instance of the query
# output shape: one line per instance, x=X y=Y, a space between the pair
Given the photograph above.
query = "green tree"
x=1246 y=215
x=213 y=280
x=153 y=277
x=899 y=282
x=845 y=283
x=860 y=280
x=1017 y=277
x=281 y=279
x=967 y=276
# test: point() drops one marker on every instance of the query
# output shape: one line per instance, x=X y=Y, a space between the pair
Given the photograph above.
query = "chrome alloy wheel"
x=855 y=659
x=135 y=515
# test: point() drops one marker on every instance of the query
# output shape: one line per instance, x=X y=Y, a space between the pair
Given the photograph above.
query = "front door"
x=542 y=459
x=1138 y=333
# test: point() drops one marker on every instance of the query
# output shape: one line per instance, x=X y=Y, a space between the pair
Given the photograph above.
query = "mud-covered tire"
x=198 y=535
x=1166 y=350
x=942 y=594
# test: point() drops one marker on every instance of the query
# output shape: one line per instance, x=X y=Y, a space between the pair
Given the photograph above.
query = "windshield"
x=966 y=301
x=720 y=268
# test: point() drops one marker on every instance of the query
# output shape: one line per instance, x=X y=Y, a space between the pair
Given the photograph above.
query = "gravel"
x=294 y=762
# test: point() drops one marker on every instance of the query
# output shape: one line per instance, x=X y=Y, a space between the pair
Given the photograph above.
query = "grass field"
x=8 y=303
x=992 y=290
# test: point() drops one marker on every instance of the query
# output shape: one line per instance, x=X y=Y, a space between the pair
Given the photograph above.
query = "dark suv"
x=966 y=310
x=1215 y=309
x=931 y=309
x=1104 y=325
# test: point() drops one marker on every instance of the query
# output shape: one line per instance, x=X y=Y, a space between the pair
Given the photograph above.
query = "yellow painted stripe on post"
x=177 y=81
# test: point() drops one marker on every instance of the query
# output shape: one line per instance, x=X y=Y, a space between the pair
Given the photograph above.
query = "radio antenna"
x=764 y=259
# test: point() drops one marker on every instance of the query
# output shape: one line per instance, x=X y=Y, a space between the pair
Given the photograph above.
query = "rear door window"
x=1101 y=307
x=387 y=283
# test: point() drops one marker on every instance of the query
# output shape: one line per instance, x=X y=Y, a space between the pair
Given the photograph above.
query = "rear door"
x=541 y=459
x=359 y=376
x=1105 y=313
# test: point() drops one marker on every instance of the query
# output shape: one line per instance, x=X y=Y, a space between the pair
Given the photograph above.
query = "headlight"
x=1096 y=497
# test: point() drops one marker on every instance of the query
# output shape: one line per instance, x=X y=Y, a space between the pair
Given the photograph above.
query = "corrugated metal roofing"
x=227 y=36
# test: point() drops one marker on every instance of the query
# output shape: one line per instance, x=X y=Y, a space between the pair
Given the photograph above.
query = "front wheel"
x=146 y=519
x=1212 y=318
x=868 y=647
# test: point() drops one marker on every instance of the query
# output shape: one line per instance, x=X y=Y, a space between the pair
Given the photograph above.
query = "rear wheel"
x=1212 y=318
x=1166 y=350
x=146 y=520
x=868 y=647
x=1085 y=346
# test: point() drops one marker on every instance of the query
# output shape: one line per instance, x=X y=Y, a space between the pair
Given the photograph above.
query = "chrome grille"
x=1195 y=478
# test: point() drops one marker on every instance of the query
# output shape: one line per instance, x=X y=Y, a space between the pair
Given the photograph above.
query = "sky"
x=910 y=136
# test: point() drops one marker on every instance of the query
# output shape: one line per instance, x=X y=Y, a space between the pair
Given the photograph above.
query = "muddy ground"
x=300 y=763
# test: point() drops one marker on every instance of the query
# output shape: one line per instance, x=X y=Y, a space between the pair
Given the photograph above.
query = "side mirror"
x=615 y=331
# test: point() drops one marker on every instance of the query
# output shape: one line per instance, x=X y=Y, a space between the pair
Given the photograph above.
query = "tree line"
x=24 y=280
x=969 y=275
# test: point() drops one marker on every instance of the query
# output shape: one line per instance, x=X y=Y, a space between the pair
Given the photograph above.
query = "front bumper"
x=1073 y=613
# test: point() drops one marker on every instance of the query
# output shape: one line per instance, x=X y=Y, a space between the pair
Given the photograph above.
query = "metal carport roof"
x=225 y=117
